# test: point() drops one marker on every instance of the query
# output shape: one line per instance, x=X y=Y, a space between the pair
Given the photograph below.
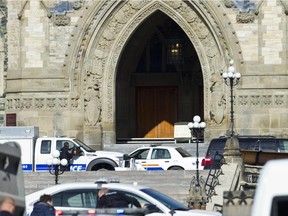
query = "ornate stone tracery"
x=115 y=35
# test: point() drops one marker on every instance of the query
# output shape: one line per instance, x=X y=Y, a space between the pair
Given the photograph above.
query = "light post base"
x=232 y=153
x=197 y=198
x=232 y=149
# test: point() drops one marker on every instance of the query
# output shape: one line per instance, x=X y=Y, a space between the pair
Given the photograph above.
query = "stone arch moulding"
x=108 y=36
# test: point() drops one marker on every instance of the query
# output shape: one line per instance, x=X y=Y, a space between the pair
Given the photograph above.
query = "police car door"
x=160 y=159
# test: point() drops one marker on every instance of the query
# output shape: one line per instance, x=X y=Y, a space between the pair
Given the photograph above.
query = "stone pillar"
x=232 y=153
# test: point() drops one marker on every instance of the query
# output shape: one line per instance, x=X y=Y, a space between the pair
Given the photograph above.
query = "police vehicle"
x=158 y=157
x=82 y=196
x=38 y=153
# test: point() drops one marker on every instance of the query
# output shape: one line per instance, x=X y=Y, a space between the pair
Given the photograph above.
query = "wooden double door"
x=156 y=111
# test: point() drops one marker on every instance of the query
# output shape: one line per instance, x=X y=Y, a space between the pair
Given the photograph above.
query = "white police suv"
x=160 y=157
x=83 y=197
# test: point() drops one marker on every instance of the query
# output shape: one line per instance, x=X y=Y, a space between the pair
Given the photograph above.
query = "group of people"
x=44 y=207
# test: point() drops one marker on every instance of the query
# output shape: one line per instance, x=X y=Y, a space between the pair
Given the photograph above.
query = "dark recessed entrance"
x=159 y=81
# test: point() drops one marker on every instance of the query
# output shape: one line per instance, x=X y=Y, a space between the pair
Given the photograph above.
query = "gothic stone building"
x=103 y=71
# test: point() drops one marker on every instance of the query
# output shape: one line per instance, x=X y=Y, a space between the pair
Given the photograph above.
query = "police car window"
x=60 y=144
x=183 y=152
x=140 y=154
x=45 y=147
x=85 y=198
x=160 y=154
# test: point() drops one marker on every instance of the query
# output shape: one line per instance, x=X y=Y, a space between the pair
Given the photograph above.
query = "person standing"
x=44 y=207
x=7 y=207
x=65 y=154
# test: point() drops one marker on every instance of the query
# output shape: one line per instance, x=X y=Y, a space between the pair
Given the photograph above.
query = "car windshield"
x=84 y=146
x=165 y=200
x=183 y=152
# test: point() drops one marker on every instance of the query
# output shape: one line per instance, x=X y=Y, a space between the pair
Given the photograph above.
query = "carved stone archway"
x=104 y=37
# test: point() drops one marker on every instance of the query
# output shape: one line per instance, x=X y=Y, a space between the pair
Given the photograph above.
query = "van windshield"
x=84 y=146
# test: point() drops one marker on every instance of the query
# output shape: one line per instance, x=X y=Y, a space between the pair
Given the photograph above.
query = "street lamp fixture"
x=231 y=79
x=56 y=165
x=232 y=149
x=197 y=194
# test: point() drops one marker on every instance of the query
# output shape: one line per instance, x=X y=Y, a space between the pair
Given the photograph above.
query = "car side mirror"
x=150 y=208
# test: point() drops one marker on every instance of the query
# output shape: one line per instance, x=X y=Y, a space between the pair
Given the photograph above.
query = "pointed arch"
x=100 y=44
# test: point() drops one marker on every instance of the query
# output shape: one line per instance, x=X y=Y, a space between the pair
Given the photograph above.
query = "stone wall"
x=62 y=66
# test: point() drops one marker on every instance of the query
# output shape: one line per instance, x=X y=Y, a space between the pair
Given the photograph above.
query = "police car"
x=83 y=197
x=158 y=157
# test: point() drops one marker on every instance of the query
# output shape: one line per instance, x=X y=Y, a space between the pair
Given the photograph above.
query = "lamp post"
x=231 y=79
x=197 y=195
x=54 y=165
x=232 y=149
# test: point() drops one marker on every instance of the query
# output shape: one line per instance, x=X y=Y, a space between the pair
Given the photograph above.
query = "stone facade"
x=63 y=58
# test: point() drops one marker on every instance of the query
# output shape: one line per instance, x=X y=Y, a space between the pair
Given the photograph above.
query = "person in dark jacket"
x=115 y=199
x=65 y=154
x=7 y=207
x=44 y=207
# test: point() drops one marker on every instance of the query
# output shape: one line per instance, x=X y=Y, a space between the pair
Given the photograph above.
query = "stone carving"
x=39 y=103
x=17 y=104
x=75 y=102
x=267 y=100
x=60 y=19
x=229 y=3
x=245 y=17
x=63 y=102
x=279 y=100
x=218 y=100
x=243 y=100
x=76 y=5
x=27 y=103
x=255 y=100
x=114 y=37
x=9 y=104
x=51 y=103
x=92 y=98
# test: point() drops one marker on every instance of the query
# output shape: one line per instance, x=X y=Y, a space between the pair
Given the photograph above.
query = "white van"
x=271 y=196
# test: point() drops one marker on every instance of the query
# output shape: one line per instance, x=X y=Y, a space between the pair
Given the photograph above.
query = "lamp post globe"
x=55 y=154
x=55 y=165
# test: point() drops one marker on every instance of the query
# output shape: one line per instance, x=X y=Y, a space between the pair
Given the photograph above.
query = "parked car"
x=158 y=157
x=83 y=197
x=271 y=195
x=256 y=143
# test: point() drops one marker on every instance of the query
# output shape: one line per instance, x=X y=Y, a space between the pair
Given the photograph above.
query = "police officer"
x=65 y=154
x=115 y=199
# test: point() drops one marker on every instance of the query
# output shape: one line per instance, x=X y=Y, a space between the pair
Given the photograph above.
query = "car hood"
x=109 y=153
